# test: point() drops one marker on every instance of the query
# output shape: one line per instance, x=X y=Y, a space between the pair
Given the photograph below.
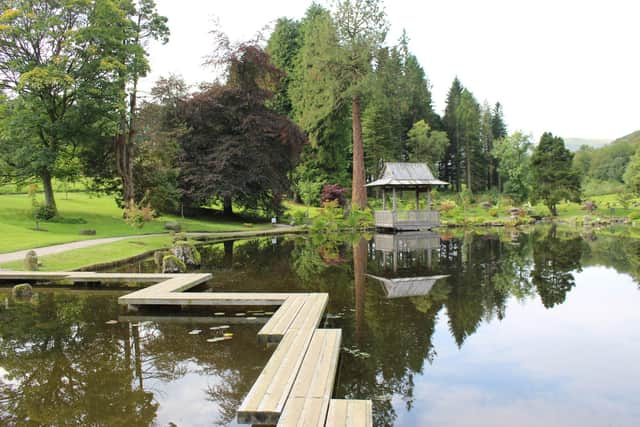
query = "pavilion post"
x=417 y=199
x=395 y=204
x=429 y=198
x=384 y=199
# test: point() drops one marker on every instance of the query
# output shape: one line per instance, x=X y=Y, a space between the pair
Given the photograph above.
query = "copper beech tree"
x=235 y=148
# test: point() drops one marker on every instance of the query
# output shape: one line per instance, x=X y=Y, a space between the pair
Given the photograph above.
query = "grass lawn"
x=85 y=257
x=100 y=213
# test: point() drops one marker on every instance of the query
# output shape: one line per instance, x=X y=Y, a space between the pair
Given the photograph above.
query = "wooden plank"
x=350 y=413
x=203 y=298
x=303 y=412
x=308 y=401
x=279 y=324
x=320 y=364
x=265 y=401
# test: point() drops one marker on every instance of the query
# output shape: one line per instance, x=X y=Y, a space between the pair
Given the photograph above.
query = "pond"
x=470 y=329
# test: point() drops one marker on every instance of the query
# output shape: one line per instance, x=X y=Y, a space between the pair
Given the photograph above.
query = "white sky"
x=566 y=66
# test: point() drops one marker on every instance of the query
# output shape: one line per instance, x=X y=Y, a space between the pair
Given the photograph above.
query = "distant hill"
x=574 y=144
x=606 y=162
x=633 y=138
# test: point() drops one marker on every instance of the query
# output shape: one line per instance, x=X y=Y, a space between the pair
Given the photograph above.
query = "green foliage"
x=426 y=145
x=138 y=214
x=512 y=153
x=309 y=192
x=554 y=179
x=61 y=63
x=632 y=174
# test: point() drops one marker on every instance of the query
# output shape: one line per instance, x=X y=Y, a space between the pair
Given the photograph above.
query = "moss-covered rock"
x=187 y=253
x=158 y=257
x=31 y=261
x=179 y=237
x=23 y=290
x=171 y=264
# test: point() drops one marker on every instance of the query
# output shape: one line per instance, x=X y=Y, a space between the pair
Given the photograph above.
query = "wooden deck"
x=295 y=387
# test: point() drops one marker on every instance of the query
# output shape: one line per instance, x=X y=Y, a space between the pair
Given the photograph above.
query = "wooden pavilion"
x=402 y=177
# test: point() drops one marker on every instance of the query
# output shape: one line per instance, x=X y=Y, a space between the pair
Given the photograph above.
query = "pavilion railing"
x=413 y=219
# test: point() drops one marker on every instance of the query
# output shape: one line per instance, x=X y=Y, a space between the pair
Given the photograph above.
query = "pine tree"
x=554 y=178
x=450 y=167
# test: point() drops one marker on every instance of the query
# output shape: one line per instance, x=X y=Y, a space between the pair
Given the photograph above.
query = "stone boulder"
x=87 y=232
x=23 y=290
x=31 y=261
x=173 y=226
x=187 y=253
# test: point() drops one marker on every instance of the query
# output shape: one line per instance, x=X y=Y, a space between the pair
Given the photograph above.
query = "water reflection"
x=500 y=325
x=61 y=364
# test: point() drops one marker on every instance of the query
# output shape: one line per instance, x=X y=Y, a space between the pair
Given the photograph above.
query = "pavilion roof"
x=396 y=174
x=407 y=286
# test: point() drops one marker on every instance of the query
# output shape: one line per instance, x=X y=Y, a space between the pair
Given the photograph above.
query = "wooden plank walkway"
x=308 y=401
x=349 y=413
x=295 y=387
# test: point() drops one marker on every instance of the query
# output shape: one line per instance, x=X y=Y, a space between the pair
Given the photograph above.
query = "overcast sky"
x=567 y=66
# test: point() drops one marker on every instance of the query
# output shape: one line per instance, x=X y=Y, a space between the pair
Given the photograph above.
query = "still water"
x=473 y=329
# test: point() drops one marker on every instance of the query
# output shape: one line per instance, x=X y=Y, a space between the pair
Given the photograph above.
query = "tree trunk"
x=227 y=206
x=358 y=190
x=124 y=166
x=468 y=161
x=360 y=280
x=49 y=198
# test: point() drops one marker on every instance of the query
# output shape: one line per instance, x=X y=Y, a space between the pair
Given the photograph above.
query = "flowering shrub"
x=331 y=192
x=136 y=215
x=447 y=205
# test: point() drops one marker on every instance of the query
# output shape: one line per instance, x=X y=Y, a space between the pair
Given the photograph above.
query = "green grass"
x=100 y=213
x=109 y=252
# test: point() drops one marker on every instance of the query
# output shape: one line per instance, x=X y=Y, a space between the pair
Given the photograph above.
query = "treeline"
x=605 y=167
x=398 y=119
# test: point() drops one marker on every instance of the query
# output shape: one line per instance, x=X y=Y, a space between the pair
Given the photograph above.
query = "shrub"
x=590 y=206
x=493 y=212
x=298 y=217
x=332 y=192
x=447 y=205
x=44 y=212
x=136 y=215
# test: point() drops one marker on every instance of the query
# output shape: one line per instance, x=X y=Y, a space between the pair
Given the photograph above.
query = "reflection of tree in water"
x=169 y=353
x=62 y=370
x=66 y=367
x=555 y=258
x=619 y=251
x=472 y=263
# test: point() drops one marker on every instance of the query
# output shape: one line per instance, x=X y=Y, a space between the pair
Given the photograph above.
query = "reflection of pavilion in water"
x=409 y=255
x=411 y=250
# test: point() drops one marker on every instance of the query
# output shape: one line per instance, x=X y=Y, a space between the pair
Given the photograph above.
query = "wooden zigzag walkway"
x=295 y=387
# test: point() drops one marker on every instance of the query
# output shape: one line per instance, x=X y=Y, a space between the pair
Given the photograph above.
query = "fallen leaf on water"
x=218 y=339
x=195 y=332
x=111 y=322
